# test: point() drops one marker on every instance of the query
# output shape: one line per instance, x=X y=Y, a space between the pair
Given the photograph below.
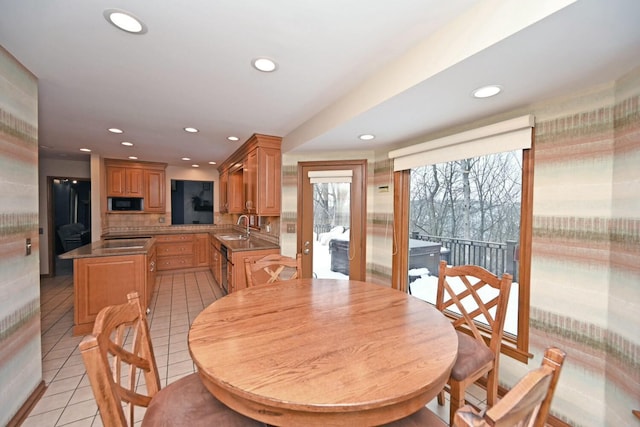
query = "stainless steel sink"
x=233 y=237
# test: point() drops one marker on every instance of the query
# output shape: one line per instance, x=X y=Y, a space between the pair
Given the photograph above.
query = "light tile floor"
x=177 y=300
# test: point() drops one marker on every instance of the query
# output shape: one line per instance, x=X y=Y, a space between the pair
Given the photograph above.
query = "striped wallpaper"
x=20 y=351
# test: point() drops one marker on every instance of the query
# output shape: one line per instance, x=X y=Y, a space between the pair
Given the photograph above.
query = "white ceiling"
x=399 y=69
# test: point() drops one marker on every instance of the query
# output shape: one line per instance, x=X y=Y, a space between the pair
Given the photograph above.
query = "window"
x=474 y=210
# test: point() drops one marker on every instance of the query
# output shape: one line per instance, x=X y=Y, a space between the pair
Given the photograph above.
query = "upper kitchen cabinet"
x=235 y=192
x=260 y=162
x=222 y=189
x=154 y=190
x=124 y=182
x=144 y=180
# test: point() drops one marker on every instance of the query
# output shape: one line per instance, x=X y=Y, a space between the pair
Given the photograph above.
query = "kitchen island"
x=104 y=272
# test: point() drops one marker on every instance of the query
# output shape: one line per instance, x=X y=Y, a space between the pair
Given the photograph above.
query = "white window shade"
x=340 y=176
x=509 y=135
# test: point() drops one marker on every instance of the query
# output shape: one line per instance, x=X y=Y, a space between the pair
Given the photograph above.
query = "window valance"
x=508 y=135
x=335 y=176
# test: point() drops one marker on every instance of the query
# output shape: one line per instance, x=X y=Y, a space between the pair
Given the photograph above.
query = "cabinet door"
x=135 y=182
x=152 y=269
x=104 y=281
x=124 y=182
x=223 y=189
x=116 y=182
x=154 y=195
x=269 y=172
x=250 y=182
x=201 y=256
x=235 y=193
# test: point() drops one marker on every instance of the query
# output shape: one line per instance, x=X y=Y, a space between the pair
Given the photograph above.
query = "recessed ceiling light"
x=133 y=157
x=265 y=65
x=195 y=166
x=86 y=150
x=487 y=91
x=233 y=138
x=366 y=137
x=212 y=163
x=125 y=21
x=115 y=130
x=190 y=130
x=186 y=158
x=127 y=143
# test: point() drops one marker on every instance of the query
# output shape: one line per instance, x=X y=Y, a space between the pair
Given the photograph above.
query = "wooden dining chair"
x=272 y=268
x=527 y=404
x=122 y=370
x=476 y=300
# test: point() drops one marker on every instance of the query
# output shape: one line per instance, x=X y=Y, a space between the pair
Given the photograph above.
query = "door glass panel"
x=331 y=222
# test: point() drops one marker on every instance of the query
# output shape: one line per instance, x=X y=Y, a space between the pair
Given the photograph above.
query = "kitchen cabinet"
x=175 y=251
x=264 y=186
x=254 y=172
x=145 y=180
x=223 y=190
x=124 y=182
x=104 y=281
x=178 y=251
x=152 y=272
x=237 y=278
x=201 y=250
x=235 y=191
x=154 y=191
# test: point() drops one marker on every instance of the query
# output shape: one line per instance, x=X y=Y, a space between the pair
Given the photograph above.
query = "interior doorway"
x=332 y=219
x=69 y=219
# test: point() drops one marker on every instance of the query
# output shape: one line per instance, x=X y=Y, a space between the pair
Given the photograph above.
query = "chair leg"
x=492 y=388
x=457 y=399
x=441 y=398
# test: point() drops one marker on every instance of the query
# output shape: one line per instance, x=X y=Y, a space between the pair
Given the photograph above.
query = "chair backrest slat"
x=474 y=292
x=116 y=355
x=272 y=268
x=527 y=404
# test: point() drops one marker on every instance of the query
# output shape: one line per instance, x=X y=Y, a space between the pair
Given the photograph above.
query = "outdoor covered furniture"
x=121 y=336
x=471 y=296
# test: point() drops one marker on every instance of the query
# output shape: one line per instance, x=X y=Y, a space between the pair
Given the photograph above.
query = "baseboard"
x=27 y=406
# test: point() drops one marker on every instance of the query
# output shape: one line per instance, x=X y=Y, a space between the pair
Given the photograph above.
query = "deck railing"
x=498 y=258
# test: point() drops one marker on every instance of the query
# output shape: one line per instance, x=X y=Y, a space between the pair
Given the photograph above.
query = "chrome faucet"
x=247 y=222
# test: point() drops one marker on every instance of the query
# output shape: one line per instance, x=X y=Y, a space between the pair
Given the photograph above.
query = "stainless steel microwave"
x=125 y=204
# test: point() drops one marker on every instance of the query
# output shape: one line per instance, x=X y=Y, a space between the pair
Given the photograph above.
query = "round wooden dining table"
x=323 y=352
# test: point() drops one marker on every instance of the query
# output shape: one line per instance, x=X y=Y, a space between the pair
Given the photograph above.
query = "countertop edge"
x=97 y=249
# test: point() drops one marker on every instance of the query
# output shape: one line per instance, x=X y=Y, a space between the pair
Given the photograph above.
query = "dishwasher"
x=225 y=267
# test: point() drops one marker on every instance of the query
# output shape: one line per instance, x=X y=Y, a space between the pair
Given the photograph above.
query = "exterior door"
x=332 y=219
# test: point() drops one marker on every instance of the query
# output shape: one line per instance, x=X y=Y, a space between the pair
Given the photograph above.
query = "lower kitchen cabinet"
x=175 y=251
x=104 y=281
x=201 y=250
x=178 y=251
x=237 y=278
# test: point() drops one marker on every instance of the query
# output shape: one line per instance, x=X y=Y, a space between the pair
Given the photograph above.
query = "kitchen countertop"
x=116 y=247
x=255 y=242
x=250 y=244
